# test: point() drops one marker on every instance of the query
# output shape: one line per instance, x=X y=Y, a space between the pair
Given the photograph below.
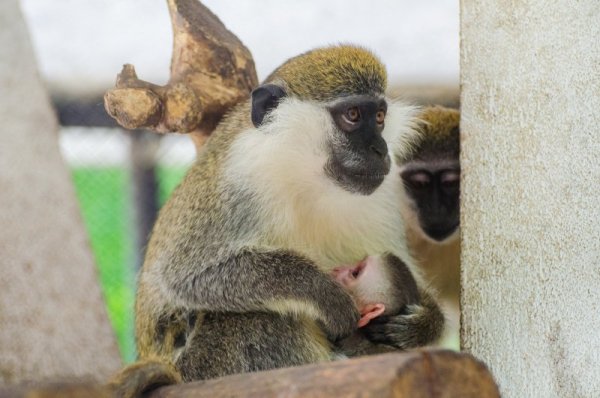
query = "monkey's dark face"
x=435 y=195
x=359 y=159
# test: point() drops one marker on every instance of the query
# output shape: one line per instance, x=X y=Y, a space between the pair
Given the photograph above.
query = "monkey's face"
x=358 y=158
x=434 y=191
x=431 y=175
x=346 y=133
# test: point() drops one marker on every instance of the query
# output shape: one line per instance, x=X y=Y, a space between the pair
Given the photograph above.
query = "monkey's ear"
x=265 y=98
x=370 y=312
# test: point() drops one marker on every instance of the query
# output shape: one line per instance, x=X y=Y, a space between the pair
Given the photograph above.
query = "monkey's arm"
x=257 y=280
x=419 y=325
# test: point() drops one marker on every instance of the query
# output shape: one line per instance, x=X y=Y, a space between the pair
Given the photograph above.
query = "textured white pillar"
x=530 y=125
x=53 y=322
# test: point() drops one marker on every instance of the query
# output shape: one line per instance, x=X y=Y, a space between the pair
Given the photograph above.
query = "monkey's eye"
x=380 y=117
x=419 y=180
x=353 y=114
x=450 y=178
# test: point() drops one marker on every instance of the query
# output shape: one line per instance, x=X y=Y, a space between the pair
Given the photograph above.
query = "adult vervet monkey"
x=293 y=182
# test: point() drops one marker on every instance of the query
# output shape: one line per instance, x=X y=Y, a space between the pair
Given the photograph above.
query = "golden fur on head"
x=439 y=122
x=439 y=135
x=327 y=73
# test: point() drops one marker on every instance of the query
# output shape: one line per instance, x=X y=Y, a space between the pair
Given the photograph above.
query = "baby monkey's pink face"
x=369 y=285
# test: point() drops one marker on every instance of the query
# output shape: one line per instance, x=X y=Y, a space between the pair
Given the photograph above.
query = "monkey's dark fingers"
x=391 y=331
x=143 y=376
x=422 y=325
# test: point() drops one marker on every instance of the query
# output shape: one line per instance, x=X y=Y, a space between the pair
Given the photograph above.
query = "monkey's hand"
x=339 y=316
x=256 y=279
x=421 y=324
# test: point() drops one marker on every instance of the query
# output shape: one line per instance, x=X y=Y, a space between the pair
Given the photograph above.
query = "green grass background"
x=105 y=197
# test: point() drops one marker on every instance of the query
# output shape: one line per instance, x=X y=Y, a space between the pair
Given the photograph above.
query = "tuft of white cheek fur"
x=400 y=131
x=281 y=164
x=285 y=154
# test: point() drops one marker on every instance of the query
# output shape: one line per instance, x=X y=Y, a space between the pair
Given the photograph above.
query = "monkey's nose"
x=380 y=148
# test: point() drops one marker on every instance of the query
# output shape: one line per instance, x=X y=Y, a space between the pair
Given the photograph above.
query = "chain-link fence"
x=121 y=179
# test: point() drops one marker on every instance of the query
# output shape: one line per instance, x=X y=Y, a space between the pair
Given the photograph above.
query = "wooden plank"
x=417 y=374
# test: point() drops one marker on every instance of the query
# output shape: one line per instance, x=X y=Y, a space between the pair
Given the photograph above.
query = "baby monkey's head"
x=380 y=285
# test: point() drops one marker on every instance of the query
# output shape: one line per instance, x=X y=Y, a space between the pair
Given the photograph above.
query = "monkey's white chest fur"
x=302 y=208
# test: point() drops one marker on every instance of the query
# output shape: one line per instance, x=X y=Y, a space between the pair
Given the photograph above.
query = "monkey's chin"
x=362 y=181
x=441 y=235
x=362 y=184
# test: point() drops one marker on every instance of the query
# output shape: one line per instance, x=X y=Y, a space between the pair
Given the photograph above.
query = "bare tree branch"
x=211 y=70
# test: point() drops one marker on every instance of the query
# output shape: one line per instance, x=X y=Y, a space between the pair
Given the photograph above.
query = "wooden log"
x=416 y=374
x=211 y=70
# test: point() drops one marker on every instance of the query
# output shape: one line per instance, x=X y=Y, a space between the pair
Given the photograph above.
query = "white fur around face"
x=282 y=165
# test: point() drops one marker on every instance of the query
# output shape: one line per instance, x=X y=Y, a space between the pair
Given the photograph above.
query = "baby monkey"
x=380 y=285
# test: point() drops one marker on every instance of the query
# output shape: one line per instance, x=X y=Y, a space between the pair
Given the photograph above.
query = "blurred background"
x=123 y=177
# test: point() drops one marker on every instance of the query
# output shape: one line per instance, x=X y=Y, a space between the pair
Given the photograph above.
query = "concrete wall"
x=52 y=318
x=530 y=74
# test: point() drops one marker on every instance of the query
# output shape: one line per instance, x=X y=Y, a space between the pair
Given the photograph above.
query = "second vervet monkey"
x=431 y=178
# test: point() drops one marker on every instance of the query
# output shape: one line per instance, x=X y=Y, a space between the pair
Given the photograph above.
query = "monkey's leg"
x=143 y=376
x=422 y=324
x=230 y=343
x=252 y=279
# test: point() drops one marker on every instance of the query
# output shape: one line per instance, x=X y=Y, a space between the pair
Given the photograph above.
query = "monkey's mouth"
x=370 y=176
x=363 y=180
x=361 y=183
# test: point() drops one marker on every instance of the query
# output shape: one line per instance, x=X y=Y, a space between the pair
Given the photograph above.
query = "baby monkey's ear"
x=370 y=312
